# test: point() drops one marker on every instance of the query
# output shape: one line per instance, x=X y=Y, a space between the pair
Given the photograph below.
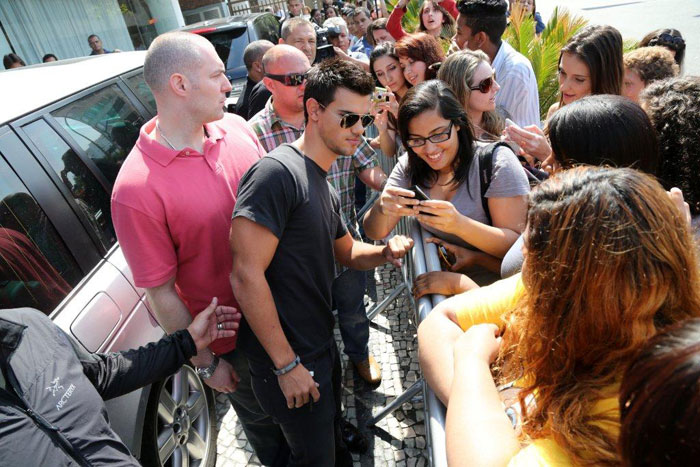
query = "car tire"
x=180 y=421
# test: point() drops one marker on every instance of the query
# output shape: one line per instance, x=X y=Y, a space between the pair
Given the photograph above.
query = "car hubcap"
x=183 y=421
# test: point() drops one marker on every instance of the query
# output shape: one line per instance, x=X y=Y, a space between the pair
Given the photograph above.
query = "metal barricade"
x=423 y=258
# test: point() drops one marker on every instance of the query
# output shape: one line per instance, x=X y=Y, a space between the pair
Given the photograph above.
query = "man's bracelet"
x=287 y=368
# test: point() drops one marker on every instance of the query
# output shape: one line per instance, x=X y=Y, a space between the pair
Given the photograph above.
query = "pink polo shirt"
x=172 y=212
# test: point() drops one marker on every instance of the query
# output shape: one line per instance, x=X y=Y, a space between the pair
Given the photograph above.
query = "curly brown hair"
x=610 y=261
x=673 y=105
x=652 y=63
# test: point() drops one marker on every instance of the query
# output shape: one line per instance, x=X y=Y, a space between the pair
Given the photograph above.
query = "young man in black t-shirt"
x=286 y=231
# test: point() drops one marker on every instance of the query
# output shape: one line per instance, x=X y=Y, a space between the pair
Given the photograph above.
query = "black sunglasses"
x=436 y=138
x=484 y=85
x=291 y=79
x=349 y=120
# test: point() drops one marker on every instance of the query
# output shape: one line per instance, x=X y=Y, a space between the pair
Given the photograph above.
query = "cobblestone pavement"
x=397 y=440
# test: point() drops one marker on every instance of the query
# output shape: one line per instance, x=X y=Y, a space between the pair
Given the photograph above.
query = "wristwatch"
x=207 y=372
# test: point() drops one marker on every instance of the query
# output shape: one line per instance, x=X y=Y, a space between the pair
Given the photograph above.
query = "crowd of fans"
x=570 y=335
x=589 y=215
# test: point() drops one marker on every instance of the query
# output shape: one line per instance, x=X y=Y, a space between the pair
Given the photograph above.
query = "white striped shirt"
x=518 y=98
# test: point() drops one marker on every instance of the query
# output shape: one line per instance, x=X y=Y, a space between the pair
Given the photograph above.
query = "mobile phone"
x=513 y=145
x=446 y=256
x=420 y=194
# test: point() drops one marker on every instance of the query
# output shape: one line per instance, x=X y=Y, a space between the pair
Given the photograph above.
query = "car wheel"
x=180 y=425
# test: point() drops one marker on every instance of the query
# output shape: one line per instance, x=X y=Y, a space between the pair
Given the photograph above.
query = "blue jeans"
x=348 y=296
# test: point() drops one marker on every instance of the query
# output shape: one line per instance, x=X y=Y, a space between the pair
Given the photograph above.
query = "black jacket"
x=258 y=98
x=241 y=108
x=52 y=410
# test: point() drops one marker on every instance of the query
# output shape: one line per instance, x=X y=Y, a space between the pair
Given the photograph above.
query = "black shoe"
x=352 y=437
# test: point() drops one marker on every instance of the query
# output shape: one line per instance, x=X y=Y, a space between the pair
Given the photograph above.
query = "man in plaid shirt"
x=282 y=121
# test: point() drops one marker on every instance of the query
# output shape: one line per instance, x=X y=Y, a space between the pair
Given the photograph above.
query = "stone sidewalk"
x=397 y=440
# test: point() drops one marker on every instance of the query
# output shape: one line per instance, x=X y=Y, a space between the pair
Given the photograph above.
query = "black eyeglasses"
x=668 y=39
x=436 y=138
x=349 y=120
x=484 y=85
x=291 y=79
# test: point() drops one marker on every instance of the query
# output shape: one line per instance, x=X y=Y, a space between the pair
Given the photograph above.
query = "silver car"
x=65 y=129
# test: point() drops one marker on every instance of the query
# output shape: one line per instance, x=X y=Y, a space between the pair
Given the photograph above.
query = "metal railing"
x=423 y=258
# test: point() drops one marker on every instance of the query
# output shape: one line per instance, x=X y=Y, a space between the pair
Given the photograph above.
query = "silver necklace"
x=163 y=136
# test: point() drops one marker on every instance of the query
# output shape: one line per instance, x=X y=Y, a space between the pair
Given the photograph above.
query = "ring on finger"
x=220 y=326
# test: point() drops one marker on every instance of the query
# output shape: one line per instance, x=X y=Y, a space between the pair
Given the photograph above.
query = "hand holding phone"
x=530 y=139
x=514 y=145
x=448 y=258
x=420 y=194
x=397 y=202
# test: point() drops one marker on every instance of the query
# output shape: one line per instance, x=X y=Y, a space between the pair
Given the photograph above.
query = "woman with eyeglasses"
x=590 y=63
x=470 y=75
x=417 y=52
x=669 y=38
x=440 y=161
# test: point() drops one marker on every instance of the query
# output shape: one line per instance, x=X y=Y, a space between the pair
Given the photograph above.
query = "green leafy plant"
x=543 y=51
x=411 y=19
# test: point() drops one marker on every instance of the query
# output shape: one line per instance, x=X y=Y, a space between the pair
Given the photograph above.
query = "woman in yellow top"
x=609 y=261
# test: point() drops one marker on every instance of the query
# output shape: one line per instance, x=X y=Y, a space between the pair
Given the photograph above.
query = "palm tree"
x=543 y=51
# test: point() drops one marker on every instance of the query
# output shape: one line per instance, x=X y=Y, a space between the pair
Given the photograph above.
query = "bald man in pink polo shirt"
x=172 y=205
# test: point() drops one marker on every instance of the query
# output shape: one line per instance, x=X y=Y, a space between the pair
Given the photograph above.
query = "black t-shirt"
x=287 y=193
x=258 y=98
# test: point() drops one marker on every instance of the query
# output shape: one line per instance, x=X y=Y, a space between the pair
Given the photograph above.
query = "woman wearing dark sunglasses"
x=470 y=75
x=440 y=161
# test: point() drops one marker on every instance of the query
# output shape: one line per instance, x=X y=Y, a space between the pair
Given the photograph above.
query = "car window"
x=138 y=85
x=267 y=27
x=105 y=125
x=36 y=269
x=229 y=46
x=87 y=192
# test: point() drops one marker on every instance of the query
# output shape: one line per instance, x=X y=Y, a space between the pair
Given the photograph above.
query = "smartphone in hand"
x=448 y=258
x=421 y=196
x=513 y=145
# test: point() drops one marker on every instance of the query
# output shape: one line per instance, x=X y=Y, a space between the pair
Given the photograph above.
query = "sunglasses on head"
x=291 y=79
x=484 y=85
x=667 y=39
x=349 y=120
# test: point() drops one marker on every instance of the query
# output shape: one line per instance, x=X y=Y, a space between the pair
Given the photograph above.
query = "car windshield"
x=229 y=46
